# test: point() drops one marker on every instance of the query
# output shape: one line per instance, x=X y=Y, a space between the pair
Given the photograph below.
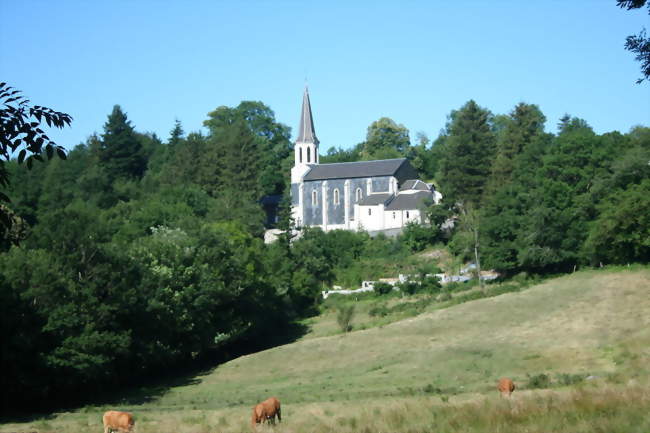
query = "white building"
x=365 y=195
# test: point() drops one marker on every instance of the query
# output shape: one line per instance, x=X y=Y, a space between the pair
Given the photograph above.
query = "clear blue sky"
x=413 y=61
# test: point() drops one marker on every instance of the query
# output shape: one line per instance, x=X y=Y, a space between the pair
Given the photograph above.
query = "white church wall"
x=372 y=217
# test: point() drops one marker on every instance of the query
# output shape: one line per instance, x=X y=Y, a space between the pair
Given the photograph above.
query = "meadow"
x=577 y=347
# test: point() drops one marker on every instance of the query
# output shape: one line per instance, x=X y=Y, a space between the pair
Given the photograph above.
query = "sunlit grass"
x=436 y=371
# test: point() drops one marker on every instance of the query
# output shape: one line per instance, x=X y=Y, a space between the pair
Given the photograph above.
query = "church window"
x=369 y=211
x=407 y=214
x=314 y=198
x=359 y=196
x=393 y=215
x=308 y=154
x=336 y=196
x=300 y=153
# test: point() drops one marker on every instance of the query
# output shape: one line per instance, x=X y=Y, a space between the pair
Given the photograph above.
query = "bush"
x=538 y=381
x=409 y=287
x=379 y=310
x=382 y=288
x=417 y=237
x=344 y=317
x=430 y=285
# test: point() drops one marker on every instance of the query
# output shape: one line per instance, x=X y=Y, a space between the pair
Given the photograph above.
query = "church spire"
x=306 y=132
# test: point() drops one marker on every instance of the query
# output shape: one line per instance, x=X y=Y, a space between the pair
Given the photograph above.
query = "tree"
x=20 y=129
x=526 y=123
x=467 y=155
x=237 y=164
x=621 y=233
x=176 y=134
x=470 y=223
x=273 y=144
x=638 y=44
x=385 y=138
x=121 y=152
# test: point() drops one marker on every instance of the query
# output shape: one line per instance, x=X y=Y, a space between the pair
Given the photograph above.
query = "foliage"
x=382 y=288
x=467 y=154
x=344 y=317
x=385 y=139
x=20 y=129
x=538 y=381
x=419 y=236
x=638 y=44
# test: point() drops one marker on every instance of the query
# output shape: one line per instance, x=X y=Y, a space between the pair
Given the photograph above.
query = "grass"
x=436 y=371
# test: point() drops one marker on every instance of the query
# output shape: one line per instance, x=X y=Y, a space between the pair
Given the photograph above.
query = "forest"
x=138 y=256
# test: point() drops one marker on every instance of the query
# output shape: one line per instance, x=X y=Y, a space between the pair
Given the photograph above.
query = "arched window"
x=308 y=154
x=300 y=154
x=393 y=215
x=369 y=211
x=314 y=198
x=336 y=196
x=359 y=195
x=407 y=214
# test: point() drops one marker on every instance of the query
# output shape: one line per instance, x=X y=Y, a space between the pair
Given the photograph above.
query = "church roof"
x=409 y=201
x=375 y=199
x=306 y=132
x=415 y=184
x=348 y=170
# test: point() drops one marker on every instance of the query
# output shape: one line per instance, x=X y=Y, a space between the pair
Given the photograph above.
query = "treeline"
x=138 y=256
x=537 y=202
x=522 y=199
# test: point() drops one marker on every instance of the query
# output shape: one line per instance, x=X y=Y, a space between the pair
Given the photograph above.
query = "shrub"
x=379 y=310
x=417 y=237
x=430 y=285
x=538 y=381
x=382 y=288
x=409 y=287
x=344 y=317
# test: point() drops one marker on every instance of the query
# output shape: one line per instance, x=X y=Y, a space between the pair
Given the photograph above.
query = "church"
x=376 y=196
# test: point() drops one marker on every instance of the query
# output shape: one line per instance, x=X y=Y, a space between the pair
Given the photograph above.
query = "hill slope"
x=589 y=323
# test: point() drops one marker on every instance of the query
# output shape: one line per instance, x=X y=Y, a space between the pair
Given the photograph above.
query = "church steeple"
x=306 y=133
x=306 y=148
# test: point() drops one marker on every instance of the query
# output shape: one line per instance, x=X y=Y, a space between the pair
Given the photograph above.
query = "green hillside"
x=588 y=332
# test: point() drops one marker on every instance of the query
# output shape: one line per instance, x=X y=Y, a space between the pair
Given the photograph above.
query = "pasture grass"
x=587 y=333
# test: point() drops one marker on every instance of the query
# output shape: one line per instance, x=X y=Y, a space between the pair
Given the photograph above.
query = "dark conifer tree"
x=468 y=153
x=121 y=152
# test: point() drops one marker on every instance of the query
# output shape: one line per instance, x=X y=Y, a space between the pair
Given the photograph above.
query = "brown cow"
x=266 y=410
x=506 y=386
x=116 y=420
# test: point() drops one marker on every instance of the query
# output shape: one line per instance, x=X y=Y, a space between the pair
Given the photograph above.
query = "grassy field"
x=578 y=348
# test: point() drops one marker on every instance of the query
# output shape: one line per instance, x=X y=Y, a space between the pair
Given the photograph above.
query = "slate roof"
x=375 y=199
x=306 y=132
x=409 y=201
x=348 y=170
x=416 y=184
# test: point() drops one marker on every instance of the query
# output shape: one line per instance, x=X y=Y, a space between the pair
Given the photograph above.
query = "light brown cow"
x=266 y=411
x=116 y=420
x=506 y=386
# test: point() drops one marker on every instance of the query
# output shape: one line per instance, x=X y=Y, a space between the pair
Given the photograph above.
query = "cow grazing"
x=506 y=386
x=266 y=411
x=118 y=421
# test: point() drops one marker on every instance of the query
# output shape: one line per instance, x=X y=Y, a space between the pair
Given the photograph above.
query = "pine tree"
x=525 y=125
x=176 y=134
x=121 y=152
x=467 y=155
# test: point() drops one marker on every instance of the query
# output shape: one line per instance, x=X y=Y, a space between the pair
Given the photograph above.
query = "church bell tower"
x=306 y=147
